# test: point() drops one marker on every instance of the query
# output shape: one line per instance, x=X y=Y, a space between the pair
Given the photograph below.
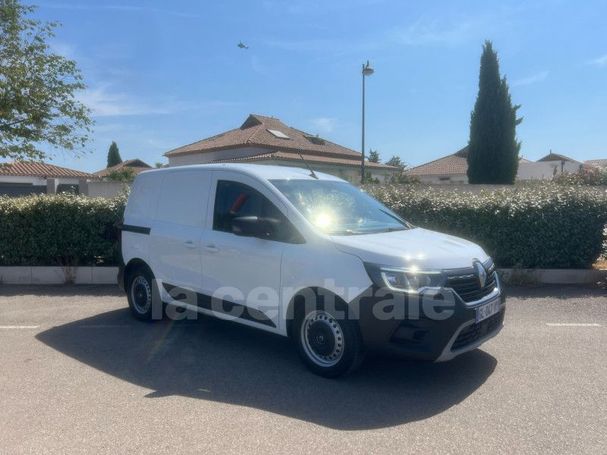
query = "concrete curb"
x=58 y=275
x=552 y=276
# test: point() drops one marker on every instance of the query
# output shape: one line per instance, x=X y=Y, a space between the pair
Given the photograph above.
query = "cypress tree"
x=493 y=148
x=113 y=155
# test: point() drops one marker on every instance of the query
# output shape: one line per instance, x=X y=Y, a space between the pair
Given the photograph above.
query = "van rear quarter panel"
x=140 y=211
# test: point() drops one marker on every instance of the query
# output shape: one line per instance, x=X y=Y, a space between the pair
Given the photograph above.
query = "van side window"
x=233 y=199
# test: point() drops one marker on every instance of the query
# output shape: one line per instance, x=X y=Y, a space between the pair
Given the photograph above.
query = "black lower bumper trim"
x=417 y=337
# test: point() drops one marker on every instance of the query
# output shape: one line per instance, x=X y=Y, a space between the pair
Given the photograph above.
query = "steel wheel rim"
x=141 y=294
x=322 y=338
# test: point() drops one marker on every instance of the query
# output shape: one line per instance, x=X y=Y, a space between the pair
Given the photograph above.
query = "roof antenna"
x=312 y=174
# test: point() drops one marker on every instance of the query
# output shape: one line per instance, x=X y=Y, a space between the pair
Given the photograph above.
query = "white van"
x=304 y=255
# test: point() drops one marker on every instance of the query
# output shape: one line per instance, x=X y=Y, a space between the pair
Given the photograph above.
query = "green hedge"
x=64 y=230
x=544 y=226
x=547 y=226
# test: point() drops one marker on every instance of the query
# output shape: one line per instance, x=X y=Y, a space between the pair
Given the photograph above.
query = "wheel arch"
x=297 y=303
x=134 y=264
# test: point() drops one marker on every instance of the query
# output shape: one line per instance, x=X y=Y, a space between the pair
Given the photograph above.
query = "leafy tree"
x=370 y=179
x=38 y=89
x=374 y=156
x=400 y=177
x=126 y=174
x=158 y=165
x=113 y=155
x=396 y=162
x=493 y=148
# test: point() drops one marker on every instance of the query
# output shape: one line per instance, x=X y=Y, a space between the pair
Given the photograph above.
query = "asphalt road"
x=78 y=374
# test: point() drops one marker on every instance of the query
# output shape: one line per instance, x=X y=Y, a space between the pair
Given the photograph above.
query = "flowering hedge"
x=545 y=226
x=64 y=230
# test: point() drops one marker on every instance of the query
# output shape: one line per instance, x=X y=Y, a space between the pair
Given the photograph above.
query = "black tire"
x=141 y=295
x=333 y=345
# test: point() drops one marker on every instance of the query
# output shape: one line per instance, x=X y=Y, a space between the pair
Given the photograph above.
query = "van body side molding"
x=135 y=229
x=227 y=307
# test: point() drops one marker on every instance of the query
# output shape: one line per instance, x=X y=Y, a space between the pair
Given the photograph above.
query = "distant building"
x=135 y=165
x=27 y=177
x=449 y=169
x=453 y=168
x=602 y=163
x=547 y=167
x=267 y=140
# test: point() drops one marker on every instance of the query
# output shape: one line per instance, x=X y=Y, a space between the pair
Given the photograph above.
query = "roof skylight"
x=278 y=134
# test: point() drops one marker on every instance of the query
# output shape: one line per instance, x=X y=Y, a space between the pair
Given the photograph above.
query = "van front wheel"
x=329 y=345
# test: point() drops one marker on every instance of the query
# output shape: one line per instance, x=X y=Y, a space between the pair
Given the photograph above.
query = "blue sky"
x=163 y=74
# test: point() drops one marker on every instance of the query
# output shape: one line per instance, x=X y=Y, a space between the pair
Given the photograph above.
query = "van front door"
x=242 y=268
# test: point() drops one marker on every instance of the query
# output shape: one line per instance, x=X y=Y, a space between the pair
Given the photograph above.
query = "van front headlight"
x=404 y=279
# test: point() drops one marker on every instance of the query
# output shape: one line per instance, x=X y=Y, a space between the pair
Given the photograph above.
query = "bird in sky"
x=242 y=45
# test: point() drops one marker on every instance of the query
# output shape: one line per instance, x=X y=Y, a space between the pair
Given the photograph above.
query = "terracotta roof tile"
x=136 y=165
x=556 y=157
x=44 y=170
x=255 y=132
x=448 y=165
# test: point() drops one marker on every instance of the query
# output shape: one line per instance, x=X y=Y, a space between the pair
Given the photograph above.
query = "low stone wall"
x=108 y=275
x=58 y=275
x=102 y=188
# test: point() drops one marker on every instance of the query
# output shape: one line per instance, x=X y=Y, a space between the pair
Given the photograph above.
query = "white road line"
x=572 y=324
x=103 y=326
x=18 y=327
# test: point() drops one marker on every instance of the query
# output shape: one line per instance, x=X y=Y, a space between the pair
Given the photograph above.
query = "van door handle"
x=211 y=248
x=189 y=244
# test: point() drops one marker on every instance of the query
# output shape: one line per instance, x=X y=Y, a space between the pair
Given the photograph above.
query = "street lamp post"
x=366 y=71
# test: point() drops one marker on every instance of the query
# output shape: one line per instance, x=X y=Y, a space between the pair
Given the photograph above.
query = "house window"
x=278 y=134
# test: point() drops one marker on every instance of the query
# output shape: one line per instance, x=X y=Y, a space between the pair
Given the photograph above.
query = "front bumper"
x=423 y=337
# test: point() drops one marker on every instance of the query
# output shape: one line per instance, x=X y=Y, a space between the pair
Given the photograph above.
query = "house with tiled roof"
x=135 y=165
x=453 y=168
x=267 y=140
x=448 y=169
x=26 y=177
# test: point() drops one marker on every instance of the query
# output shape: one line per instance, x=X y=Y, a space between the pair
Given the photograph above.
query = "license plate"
x=487 y=310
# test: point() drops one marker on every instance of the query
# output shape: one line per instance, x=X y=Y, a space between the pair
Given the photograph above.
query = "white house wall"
x=349 y=173
x=443 y=179
x=35 y=180
x=210 y=157
x=544 y=170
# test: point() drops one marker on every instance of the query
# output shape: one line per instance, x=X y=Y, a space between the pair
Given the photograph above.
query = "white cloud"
x=532 y=79
x=64 y=49
x=599 y=61
x=104 y=102
x=446 y=32
x=434 y=31
x=324 y=124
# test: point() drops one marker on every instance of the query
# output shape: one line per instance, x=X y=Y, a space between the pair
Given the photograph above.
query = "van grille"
x=475 y=332
x=468 y=287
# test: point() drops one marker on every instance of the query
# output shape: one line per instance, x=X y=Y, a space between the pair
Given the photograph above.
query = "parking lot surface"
x=78 y=374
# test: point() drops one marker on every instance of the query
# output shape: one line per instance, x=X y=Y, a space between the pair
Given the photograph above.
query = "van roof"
x=261 y=171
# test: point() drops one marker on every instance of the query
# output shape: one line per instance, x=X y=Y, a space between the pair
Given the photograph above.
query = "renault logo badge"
x=481 y=273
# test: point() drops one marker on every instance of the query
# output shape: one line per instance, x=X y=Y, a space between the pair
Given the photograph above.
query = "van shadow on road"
x=217 y=360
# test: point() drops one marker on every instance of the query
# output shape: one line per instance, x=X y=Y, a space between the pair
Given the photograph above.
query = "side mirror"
x=254 y=226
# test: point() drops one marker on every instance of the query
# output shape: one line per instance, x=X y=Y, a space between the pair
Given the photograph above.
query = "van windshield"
x=339 y=208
